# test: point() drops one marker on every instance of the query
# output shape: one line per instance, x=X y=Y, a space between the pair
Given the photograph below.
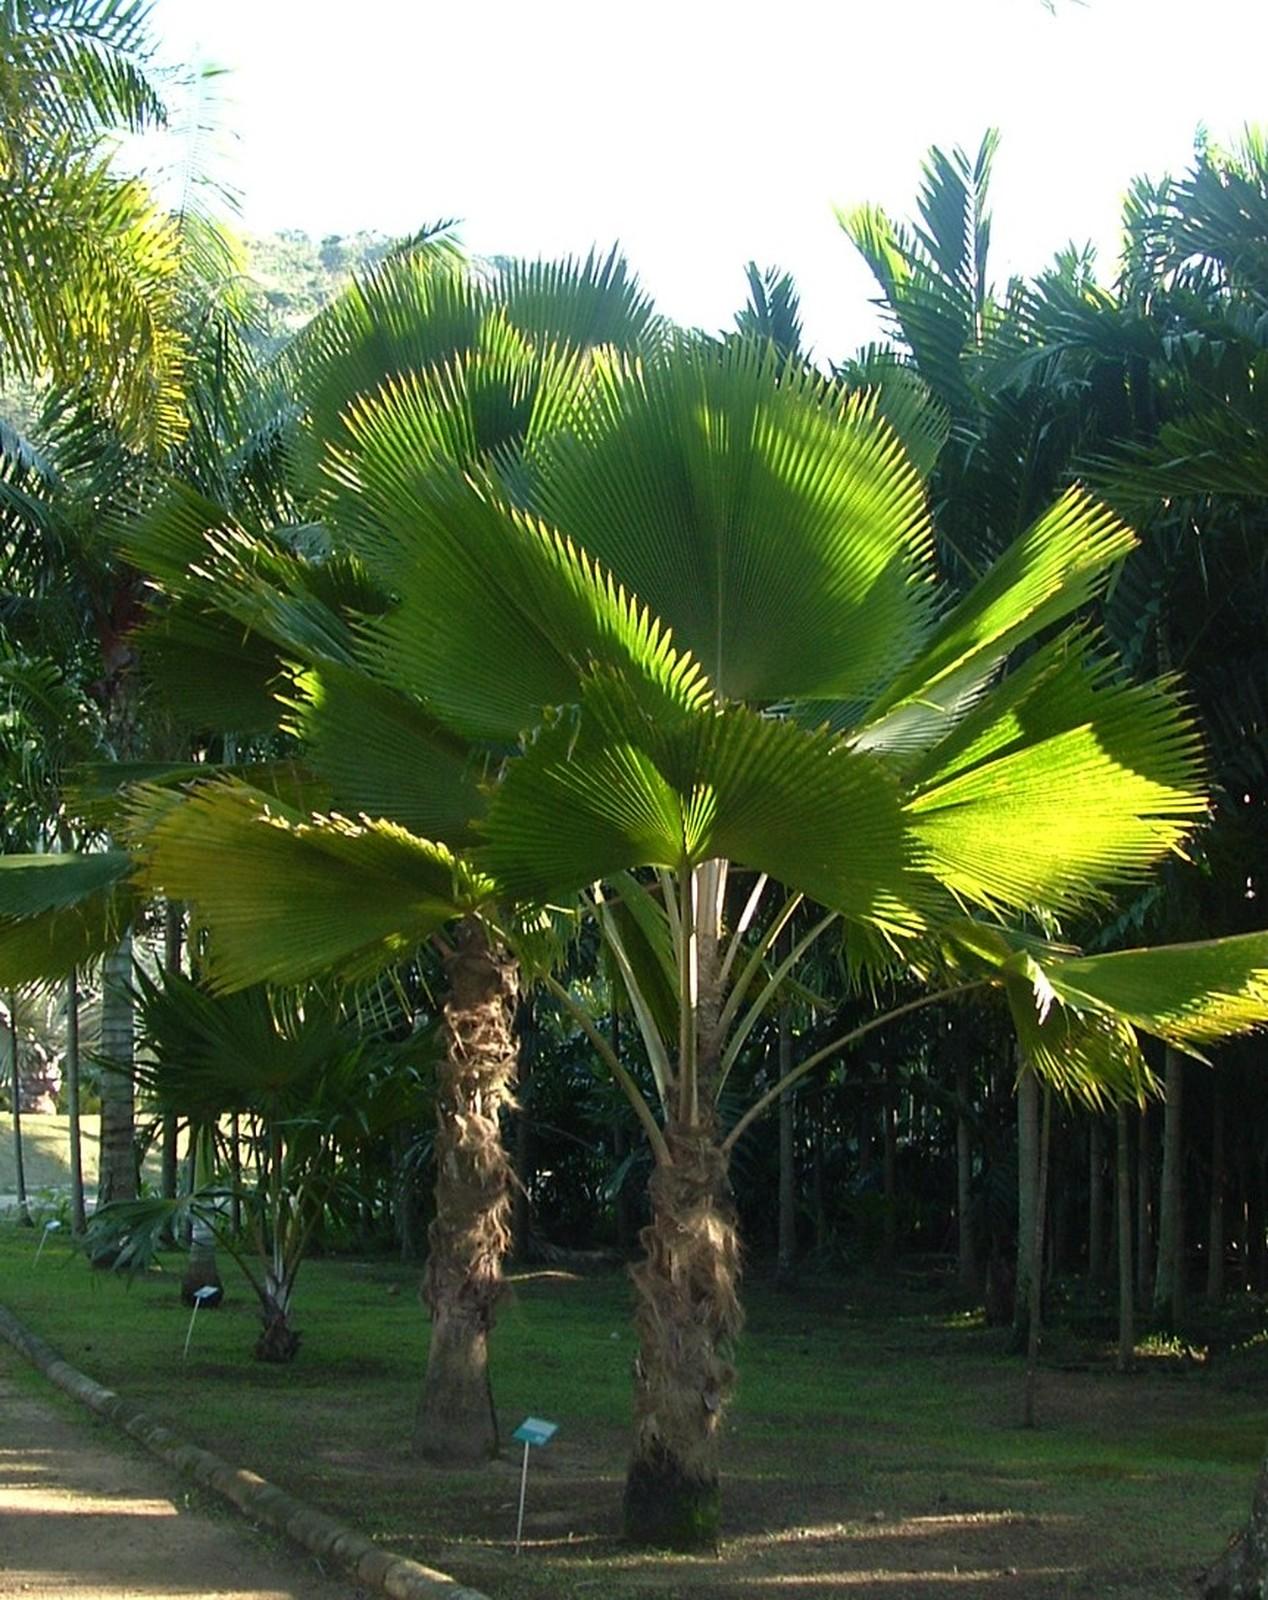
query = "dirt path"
x=87 y=1517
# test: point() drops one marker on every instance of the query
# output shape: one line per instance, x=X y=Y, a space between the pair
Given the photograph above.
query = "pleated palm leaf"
x=312 y=1088
x=717 y=639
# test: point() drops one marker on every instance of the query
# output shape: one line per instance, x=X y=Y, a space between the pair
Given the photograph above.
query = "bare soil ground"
x=84 y=1516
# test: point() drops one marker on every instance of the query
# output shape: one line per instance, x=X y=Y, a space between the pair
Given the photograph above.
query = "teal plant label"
x=533 y=1430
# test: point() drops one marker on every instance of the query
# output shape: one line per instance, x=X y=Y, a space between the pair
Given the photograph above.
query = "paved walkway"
x=85 y=1515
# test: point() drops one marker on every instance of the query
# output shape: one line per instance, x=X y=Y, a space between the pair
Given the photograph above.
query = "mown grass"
x=874 y=1448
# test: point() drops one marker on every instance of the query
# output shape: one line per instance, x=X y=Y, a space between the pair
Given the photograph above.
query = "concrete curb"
x=393 y=1575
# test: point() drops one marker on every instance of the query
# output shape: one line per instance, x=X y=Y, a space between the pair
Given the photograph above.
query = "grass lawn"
x=875 y=1448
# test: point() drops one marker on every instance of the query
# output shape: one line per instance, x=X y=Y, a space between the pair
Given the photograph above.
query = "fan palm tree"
x=702 y=628
x=492 y=353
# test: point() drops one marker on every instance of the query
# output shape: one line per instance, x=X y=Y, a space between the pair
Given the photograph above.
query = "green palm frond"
x=383 y=755
x=291 y=897
x=1056 y=567
x=61 y=911
x=499 y=616
x=904 y=400
x=1071 y=784
x=70 y=69
x=578 y=304
x=620 y=789
x=1188 y=994
x=723 y=490
x=1090 y=1056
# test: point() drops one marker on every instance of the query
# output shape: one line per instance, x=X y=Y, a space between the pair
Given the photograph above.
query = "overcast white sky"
x=703 y=134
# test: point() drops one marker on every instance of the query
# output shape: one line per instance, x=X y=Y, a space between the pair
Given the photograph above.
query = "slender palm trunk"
x=78 y=1215
x=1126 y=1285
x=201 y=1268
x=525 y=1151
x=889 y=1126
x=1096 y=1202
x=786 y=1262
x=15 y=1085
x=116 y=1171
x=1169 y=1282
x=455 y=1423
x=964 y=1184
x=1035 y=1299
x=173 y=933
x=1144 y=1211
x=1215 y=1237
x=1028 y=1263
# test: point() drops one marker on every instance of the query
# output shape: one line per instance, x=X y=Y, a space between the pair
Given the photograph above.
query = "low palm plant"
x=311 y=1089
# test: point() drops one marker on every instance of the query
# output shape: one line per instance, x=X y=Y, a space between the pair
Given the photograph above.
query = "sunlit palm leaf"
x=620 y=789
x=382 y=755
x=1061 y=791
x=726 y=492
x=289 y=898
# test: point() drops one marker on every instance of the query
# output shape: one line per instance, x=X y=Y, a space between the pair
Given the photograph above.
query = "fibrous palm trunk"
x=687 y=1316
x=116 y=1172
x=688 y=1312
x=455 y=1423
x=278 y=1341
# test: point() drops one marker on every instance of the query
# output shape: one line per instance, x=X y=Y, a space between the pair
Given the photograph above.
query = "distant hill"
x=298 y=275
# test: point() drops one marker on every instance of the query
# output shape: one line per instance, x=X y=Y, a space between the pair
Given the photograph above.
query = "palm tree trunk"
x=1096 y=1202
x=1169 y=1282
x=964 y=1183
x=1144 y=1211
x=116 y=1171
x=889 y=1125
x=78 y=1215
x=786 y=1260
x=1027 y=1201
x=455 y=1424
x=1215 y=1238
x=19 y=1164
x=1035 y=1286
x=201 y=1268
x=687 y=1316
x=1126 y=1286
x=687 y=1312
